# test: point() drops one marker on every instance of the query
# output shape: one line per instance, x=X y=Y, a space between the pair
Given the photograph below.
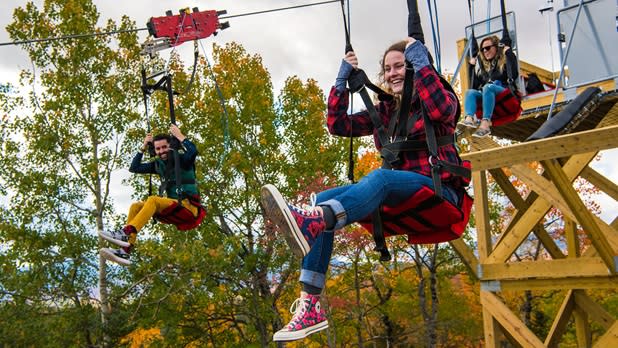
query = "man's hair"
x=162 y=137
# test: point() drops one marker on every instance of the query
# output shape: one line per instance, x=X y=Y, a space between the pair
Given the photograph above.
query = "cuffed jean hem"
x=339 y=212
x=313 y=278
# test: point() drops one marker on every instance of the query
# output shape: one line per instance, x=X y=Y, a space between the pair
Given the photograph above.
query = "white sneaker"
x=117 y=237
x=118 y=256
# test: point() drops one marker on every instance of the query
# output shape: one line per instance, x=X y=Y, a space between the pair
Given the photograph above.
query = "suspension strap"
x=146 y=95
x=196 y=53
x=348 y=48
x=175 y=144
x=506 y=40
x=165 y=84
x=474 y=46
x=415 y=30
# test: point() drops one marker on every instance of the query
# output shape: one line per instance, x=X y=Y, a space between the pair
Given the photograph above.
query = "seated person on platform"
x=489 y=78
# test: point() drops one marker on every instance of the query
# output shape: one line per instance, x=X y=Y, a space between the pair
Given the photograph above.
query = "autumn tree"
x=222 y=283
x=61 y=142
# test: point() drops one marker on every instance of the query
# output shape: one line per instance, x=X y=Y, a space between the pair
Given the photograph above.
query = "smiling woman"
x=407 y=176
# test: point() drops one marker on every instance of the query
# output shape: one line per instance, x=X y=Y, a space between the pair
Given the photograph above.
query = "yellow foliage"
x=369 y=161
x=142 y=337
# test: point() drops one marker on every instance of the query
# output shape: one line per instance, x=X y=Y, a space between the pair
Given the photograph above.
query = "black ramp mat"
x=553 y=125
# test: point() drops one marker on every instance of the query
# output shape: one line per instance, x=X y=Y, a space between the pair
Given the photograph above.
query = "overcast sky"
x=309 y=42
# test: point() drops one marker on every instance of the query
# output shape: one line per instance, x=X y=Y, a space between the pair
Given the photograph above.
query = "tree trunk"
x=359 y=333
x=433 y=288
x=106 y=309
x=526 y=308
x=389 y=328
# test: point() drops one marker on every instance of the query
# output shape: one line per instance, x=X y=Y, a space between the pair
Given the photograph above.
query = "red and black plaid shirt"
x=441 y=106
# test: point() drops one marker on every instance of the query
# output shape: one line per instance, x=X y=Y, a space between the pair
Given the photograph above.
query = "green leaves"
x=59 y=149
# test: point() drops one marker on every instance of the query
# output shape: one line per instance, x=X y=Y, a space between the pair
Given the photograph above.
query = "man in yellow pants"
x=166 y=209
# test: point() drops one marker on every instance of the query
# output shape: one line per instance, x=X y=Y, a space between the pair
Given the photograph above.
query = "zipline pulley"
x=172 y=30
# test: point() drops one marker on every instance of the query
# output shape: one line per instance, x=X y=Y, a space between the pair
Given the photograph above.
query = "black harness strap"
x=357 y=82
x=474 y=46
x=415 y=29
x=393 y=142
x=417 y=145
x=406 y=103
x=391 y=149
x=506 y=40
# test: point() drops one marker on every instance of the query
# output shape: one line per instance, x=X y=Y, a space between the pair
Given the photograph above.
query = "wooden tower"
x=572 y=270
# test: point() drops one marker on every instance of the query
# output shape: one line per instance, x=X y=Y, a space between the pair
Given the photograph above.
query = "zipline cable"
x=74 y=36
x=279 y=9
x=81 y=36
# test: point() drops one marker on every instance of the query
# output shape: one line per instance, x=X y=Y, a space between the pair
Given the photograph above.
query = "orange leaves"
x=367 y=162
x=142 y=337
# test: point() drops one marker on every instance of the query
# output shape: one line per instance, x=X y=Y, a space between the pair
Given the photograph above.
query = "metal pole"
x=566 y=56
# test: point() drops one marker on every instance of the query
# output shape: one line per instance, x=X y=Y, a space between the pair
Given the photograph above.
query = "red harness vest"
x=182 y=217
x=508 y=108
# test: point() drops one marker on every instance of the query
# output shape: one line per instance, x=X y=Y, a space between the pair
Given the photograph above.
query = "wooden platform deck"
x=531 y=119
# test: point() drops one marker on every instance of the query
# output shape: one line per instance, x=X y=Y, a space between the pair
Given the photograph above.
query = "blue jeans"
x=352 y=203
x=487 y=96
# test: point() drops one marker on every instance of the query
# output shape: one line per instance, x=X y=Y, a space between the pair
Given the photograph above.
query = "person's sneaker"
x=117 y=237
x=300 y=226
x=481 y=132
x=308 y=318
x=468 y=122
x=119 y=256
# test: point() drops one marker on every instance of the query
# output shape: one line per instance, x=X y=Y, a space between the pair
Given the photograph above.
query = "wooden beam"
x=582 y=214
x=545 y=98
x=464 y=76
x=532 y=196
x=481 y=209
x=512 y=240
x=543 y=149
x=491 y=330
x=582 y=327
x=610 y=339
x=549 y=269
x=606 y=282
x=547 y=192
x=543 y=74
x=541 y=99
x=570 y=231
x=561 y=321
x=466 y=255
x=573 y=166
x=601 y=182
x=507 y=187
x=593 y=309
x=509 y=321
x=548 y=242
x=521 y=205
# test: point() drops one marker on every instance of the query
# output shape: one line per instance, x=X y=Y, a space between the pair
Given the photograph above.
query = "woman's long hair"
x=498 y=61
x=399 y=46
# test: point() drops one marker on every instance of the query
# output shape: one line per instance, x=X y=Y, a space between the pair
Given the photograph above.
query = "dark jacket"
x=482 y=77
x=165 y=170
